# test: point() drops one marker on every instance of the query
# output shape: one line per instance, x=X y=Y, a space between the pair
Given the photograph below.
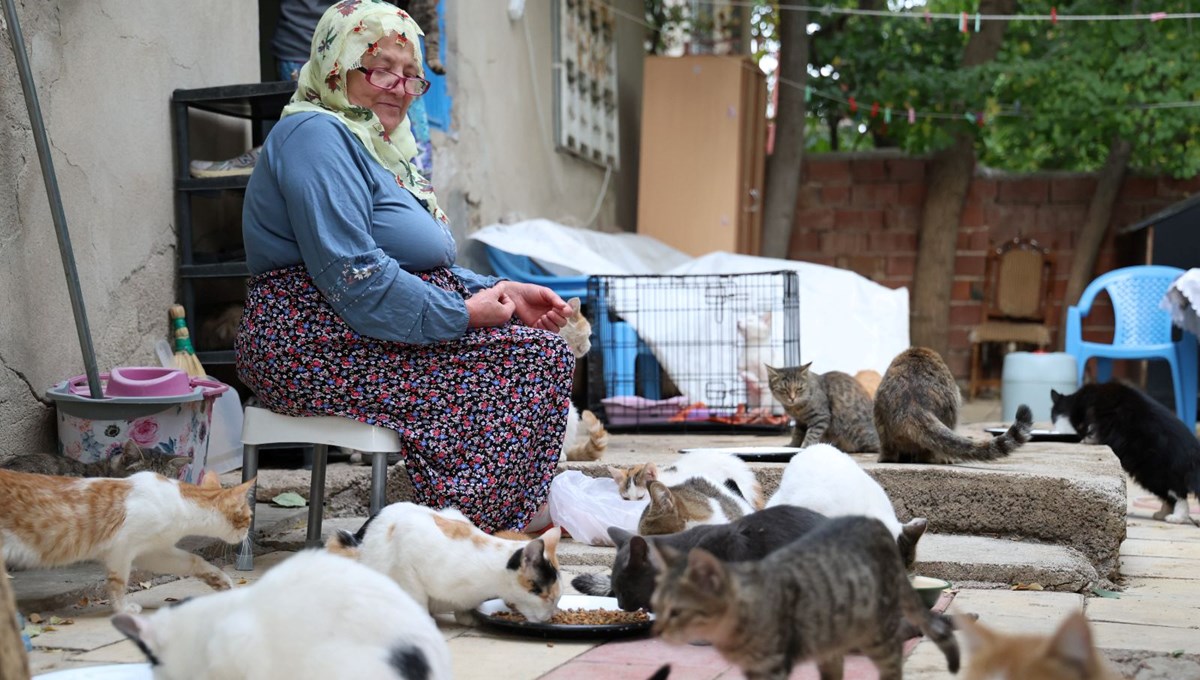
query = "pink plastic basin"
x=147 y=381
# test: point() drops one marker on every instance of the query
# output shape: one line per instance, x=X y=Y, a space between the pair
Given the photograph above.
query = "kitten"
x=1153 y=445
x=131 y=460
x=722 y=469
x=869 y=379
x=838 y=588
x=312 y=617
x=916 y=411
x=55 y=521
x=748 y=538
x=578 y=334
x=827 y=481
x=447 y=564
x=1068 y=654
x=829 y=407
x=690 y=503
x=756 y=353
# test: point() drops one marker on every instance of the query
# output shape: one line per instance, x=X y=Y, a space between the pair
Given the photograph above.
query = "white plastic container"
x=1028 y=378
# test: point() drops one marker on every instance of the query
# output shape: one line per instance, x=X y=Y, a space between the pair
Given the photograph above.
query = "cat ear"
x=176 y=464
x=771 y=371
x=138 y=629
x=244 y=488
x=914 y=528
x=573 y=303
x=706 y=571
x=620 y=536
x=1055 y=396
x=651 y=473
x=209 y=480
x=661 y=496
x=638 y=550
x=804 y=367
x=618 y=475
x=975 y=635
x=550 y=538
x=532 y=554
x=1072 y=642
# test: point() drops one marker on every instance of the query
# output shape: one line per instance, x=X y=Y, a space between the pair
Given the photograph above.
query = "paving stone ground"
x=1151 y=631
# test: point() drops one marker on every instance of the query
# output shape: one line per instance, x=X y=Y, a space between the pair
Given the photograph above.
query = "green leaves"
x=289 y=499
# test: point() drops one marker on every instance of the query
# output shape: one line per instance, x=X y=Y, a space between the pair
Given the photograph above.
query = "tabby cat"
x=55 y=521
x=916 y=411
x=720 y=468
x=830 y=408
x=1068 y=654
x=690 y=503
x=838 y=588
x=131 y=460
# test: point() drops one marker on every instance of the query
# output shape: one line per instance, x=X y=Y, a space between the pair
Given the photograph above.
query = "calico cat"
x=827 y=481
x=838 y=588
x=1153 y=445
x=748 y=538
x=131 y=460
x=916 y=411
x=54 y=521
x=690 y=503
x=829 y=407
x=756 y=353
x=1068 y=654
x=445 y=563
x=578 y=334
x=312 y=617
x=722 y=469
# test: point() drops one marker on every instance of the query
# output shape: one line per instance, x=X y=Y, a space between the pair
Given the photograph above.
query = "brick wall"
x=862 y=212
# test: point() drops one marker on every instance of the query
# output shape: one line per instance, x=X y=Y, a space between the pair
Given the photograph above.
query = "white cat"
x=448 y=565
x=314 y=616
x=756 y=353
x=825 y=480
x=718 y=468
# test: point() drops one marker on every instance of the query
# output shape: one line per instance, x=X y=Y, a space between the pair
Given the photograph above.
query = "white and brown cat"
x=48 y=521
x=585 y=437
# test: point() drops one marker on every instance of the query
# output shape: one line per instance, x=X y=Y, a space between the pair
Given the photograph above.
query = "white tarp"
x=847 y=322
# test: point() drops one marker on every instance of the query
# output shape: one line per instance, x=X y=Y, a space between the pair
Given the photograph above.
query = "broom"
x=185 y=355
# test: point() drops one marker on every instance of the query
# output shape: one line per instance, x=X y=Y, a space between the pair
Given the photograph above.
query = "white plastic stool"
x=261 y=426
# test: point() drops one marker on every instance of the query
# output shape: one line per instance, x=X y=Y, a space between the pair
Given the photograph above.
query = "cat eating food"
x=832 y=408
x=1067 y=654
x=916 y=411
x=50 y=521
x=838 y=588
x=314 y=616
x=1153 y=445
x=447 y=564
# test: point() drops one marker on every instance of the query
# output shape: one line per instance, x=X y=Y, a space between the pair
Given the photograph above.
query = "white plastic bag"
x=587 y=506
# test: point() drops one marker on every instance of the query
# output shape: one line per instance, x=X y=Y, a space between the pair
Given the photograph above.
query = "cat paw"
x=218 y=580
x=464 y=618
x=1161 y=514
x=127 y=608
x=1176 y=519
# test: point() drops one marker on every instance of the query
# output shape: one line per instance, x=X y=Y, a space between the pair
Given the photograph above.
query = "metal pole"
x=52 y=193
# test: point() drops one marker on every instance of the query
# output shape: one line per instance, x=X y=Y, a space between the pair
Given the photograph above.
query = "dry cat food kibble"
x=584 y=617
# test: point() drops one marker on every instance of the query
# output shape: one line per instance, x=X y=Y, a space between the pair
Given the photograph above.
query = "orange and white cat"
x=48 y=521
x=1067 y=654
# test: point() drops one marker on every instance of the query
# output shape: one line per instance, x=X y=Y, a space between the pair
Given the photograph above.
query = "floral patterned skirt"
x=481 y=418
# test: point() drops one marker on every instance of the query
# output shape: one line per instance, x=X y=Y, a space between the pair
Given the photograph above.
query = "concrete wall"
x=862 y=212
x=104 y=70
x=499 y=163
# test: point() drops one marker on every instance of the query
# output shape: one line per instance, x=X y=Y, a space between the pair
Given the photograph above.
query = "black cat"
x=1153 y=445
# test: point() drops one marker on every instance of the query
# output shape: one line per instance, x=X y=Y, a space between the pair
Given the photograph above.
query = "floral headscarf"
x=346 y=32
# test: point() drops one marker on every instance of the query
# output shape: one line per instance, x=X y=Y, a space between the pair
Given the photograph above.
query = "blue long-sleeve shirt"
x=317 y=198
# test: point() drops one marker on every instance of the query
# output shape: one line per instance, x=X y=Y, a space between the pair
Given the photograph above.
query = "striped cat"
x=131 y=460
x=690 y=503
x=829 y=408
x=721 y=469
x=50 y=521
x=841 y=587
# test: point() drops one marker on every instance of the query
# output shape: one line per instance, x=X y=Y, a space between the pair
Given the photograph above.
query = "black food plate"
x=483 y=614
x=1040 y=435
x=753 y=454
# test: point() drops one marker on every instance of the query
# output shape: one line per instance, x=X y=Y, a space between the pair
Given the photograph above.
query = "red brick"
x=892 y=242
x=838 y=194
x=894 y=282
x=1138 y=188
x=808 y=196
x=969 y=265
x=858 y=219
x=902 y=219
x=1009 y=218
x=864 y=170
x=901 y=265
x=865 y=265
x=963 y=291
x=974 y=240
x=1032 y=190
x=1072 y=189
x=827 y=171
x=972 y=215
x=804 y=242
x=964 y=313
x=814 y=218
x=906 y=169
x=982 y=190
x=843 y=242
x=874 y=195
x=911 y=194
x=959 y=362
x=959 y=338
x=1062 y=217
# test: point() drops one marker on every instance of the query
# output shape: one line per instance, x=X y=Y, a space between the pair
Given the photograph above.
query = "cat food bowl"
x=929 y=588
x=147 y=381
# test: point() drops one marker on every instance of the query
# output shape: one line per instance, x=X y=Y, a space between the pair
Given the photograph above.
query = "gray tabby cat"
x=690 y=503
x=131 y=460
x=916 y=411
x=831 y=408
x=839 y=588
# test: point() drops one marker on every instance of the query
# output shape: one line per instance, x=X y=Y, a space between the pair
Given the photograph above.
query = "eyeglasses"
x=386 y=80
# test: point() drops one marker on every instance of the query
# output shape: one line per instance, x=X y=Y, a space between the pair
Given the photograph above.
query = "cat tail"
x=599 y=585
x=948 y=444
x=344 y=543
x=597 y=439
x=936 y=627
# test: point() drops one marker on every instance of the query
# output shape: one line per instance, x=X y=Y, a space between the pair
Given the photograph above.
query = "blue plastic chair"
x=1142 y=330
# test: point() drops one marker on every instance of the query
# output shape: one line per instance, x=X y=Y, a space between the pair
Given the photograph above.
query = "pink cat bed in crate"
x=161 y=409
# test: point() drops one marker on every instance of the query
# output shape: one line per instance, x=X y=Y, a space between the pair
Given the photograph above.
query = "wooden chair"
x=1017 y=284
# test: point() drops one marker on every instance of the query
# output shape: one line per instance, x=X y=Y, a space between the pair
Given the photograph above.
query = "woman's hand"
x=489 y=307
x=537 y=306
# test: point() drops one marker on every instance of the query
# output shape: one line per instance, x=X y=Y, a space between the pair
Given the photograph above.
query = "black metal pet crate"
x=686 y=352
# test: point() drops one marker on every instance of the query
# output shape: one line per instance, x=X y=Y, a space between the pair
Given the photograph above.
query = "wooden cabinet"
x=703 y=142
